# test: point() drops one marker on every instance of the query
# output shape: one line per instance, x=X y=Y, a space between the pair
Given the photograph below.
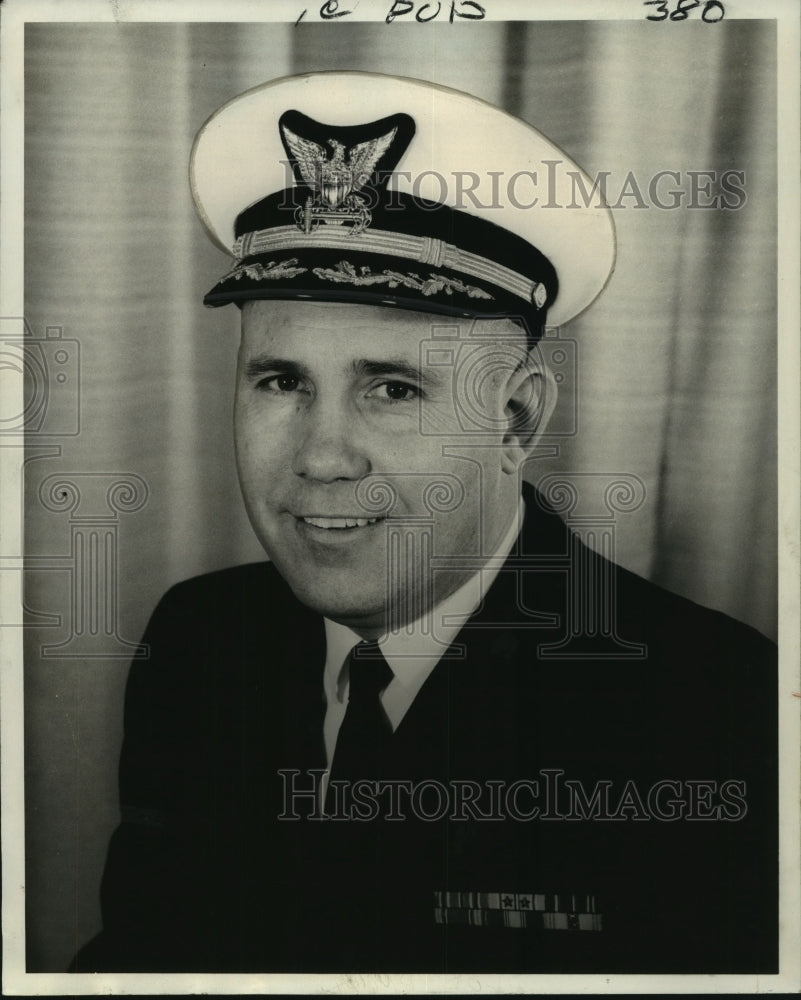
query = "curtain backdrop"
x=674 y=384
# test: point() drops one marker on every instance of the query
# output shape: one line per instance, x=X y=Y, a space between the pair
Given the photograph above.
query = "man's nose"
x=329 y=448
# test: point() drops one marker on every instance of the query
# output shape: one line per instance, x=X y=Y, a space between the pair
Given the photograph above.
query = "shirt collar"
x=416 y=649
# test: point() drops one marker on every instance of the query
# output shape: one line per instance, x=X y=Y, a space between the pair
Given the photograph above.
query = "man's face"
x=328 y=394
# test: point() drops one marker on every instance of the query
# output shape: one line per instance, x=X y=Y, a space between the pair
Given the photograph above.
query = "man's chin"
x=356 y=610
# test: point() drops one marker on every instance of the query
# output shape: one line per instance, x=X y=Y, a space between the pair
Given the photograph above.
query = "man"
x=436 y=732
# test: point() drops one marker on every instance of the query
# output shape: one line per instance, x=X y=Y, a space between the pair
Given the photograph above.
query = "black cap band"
x=399 y=251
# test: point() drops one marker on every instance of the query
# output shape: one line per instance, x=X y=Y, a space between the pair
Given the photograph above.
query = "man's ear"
x=530 y=400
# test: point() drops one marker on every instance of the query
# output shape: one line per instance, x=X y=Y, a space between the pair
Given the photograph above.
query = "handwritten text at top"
x=407 y=10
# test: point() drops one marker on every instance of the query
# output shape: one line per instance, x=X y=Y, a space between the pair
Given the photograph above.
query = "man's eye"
x=280 y=383
x=396 y=392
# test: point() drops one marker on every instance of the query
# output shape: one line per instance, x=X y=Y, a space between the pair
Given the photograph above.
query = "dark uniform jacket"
x=610 y=790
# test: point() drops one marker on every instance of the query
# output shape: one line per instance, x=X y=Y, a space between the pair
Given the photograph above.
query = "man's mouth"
x=339 y=523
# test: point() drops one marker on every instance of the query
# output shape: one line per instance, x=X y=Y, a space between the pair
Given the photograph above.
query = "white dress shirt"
x=411 y=653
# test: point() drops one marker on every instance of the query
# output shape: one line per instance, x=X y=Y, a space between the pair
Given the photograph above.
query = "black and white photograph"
x=400 y=480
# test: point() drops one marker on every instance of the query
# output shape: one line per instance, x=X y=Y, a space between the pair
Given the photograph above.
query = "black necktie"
x=365 y=731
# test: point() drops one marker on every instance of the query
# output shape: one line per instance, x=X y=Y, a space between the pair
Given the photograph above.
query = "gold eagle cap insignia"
x=338 y=176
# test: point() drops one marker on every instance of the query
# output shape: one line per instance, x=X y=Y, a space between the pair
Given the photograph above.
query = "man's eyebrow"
x=265 y=364
x=399 y=367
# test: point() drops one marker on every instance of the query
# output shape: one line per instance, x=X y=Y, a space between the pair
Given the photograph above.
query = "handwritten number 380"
x=712 y=12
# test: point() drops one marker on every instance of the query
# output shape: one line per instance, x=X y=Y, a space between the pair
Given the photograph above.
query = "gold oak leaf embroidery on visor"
x=345 y=272
x=282 y=269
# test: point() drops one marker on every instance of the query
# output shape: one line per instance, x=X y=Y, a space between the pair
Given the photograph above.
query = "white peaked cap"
x=474 y=203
